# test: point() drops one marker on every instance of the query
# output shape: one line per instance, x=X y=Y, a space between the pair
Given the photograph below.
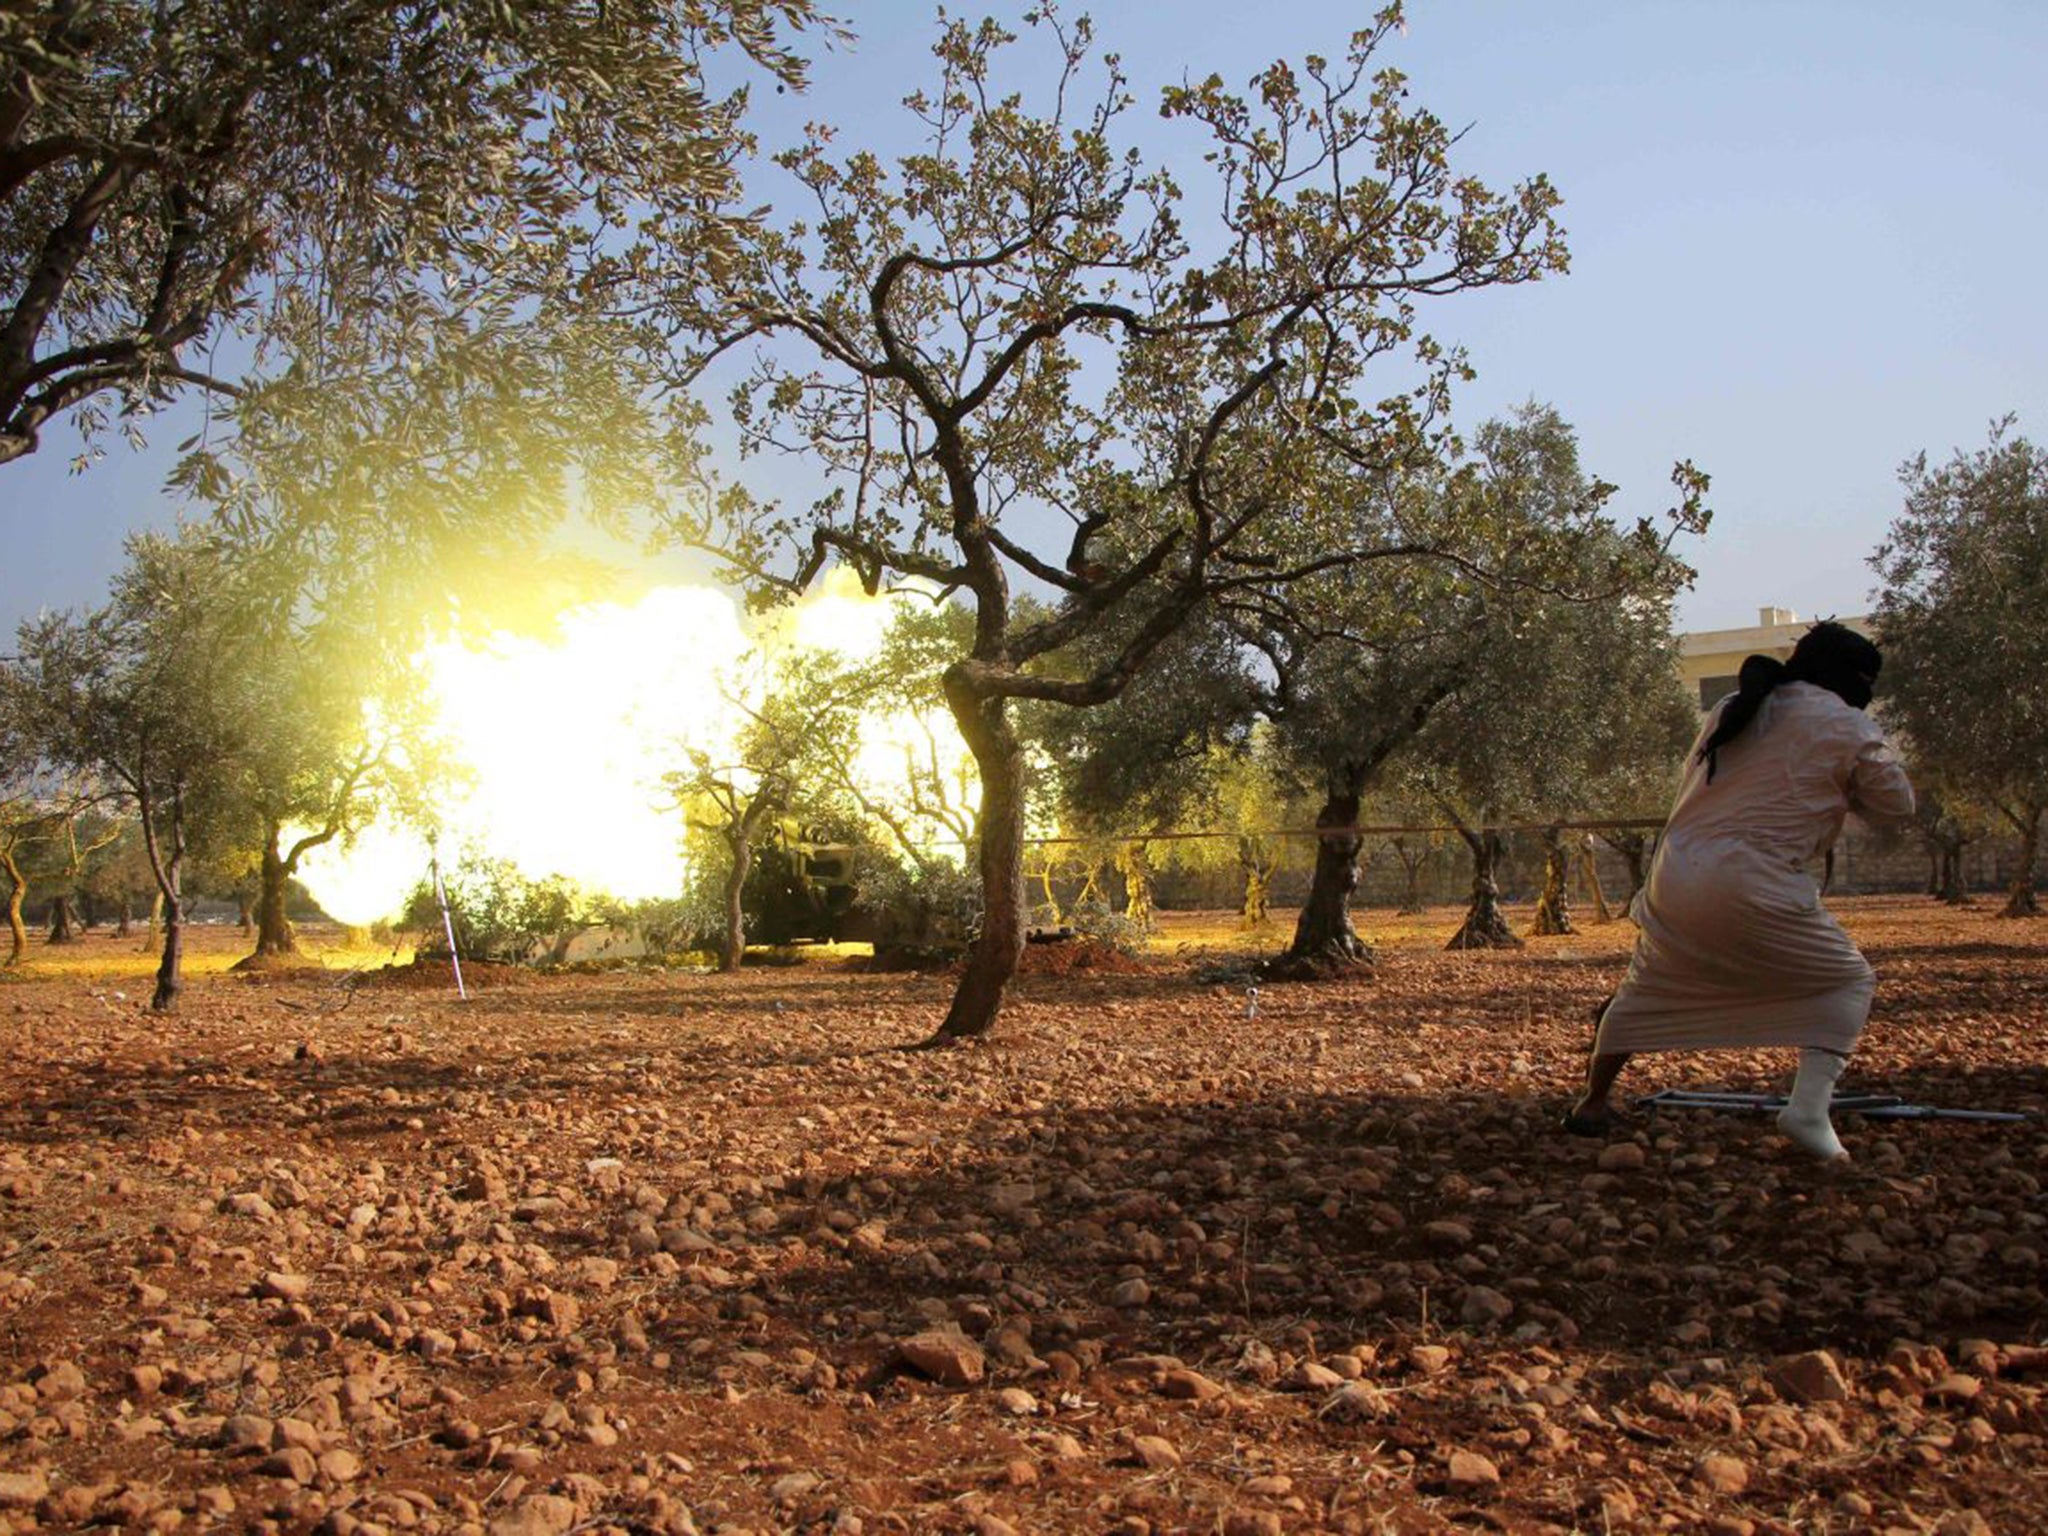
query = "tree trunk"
x=274 y=934
x=170 y=973
x=1091 y=887
x=1258 y=884
x=1554 y=906
x=1937 y=862
x=156 y=921
x=166 y=863
x=1412 y=861
x=1134 y=862
x=2022 y=901
x=1634 y=849
x=123 y=916
x=1485 y=926
x=17 y=893
x=734 y=949
x=1325 y=942
x=60 y=920
x=1952 y=888
x=1052 y=896
x=1601 y=912
x=999 y=947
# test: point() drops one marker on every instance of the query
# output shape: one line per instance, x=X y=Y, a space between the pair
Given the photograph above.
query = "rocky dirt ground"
x=671 y=1253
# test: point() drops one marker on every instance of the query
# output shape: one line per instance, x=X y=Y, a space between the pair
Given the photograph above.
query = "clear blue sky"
x=1807 y=239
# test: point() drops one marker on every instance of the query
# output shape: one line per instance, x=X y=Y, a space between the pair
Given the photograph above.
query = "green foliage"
x=1569 y=699
x=922 y=911
x=1965 y=677
x=288 y=168
x=667 y=926
x=1105 y=925
x=1151 y=758
x=499 y=914
x=141 y=692
x=929 y=324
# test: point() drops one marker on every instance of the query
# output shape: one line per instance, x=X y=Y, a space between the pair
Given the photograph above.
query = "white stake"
x=448 y=927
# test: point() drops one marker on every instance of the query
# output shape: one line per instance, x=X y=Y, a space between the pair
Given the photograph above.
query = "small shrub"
x=498 y=913
x=1106 y=925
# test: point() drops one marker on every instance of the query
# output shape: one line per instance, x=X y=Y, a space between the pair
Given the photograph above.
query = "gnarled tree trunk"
x=1091 y=886
x=1324 y=939
x=1554 y=906
x=1257 y=866
x=170 y=970
x=1134 y=863
x=167 y=863
x=60 y=920
x=1945 y=882
x=1412 y=859
x=2022 y=901
x=1952 y=887
x=733 y=949
x=274 y=934
x=1485 y=925
x=1634 y=848
x=17 y=893
x=1323 y=936
x=1591 y=862
x=1053 y=914
x=999 y=850
x=740 y=837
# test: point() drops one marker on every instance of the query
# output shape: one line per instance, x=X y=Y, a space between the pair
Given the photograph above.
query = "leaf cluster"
x=286 y=169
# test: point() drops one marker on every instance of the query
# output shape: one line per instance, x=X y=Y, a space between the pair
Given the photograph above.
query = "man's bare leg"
x=1593 y=1115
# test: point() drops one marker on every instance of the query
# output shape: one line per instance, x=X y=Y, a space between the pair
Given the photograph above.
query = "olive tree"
x=1352 y=688
x=1019 y=358
x=1547 y=586
x=41 y=810
x=1948 y=821
x=1575 y=685
x=778 y=764
x=125 y=694
x=1965 y=678
x=313 y=761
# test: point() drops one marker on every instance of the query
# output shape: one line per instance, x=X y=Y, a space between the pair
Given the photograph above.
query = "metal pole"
x=448 y=927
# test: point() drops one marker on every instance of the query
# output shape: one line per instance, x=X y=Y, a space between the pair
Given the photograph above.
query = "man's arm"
x=1879 y=790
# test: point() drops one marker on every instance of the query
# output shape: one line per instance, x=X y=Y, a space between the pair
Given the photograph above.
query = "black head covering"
x=1829 y=655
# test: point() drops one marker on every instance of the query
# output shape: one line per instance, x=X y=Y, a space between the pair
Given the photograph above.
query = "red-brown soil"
x=641 y=1252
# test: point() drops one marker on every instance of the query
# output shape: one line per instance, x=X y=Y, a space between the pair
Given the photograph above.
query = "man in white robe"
x=1736 y=950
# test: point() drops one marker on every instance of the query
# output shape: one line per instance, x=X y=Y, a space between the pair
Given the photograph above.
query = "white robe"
x=1735 y=948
